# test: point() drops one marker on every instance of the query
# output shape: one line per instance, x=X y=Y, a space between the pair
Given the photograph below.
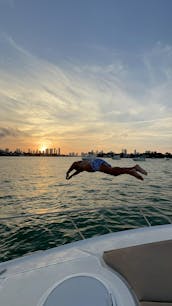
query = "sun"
x=44 y=145
x=42 y=148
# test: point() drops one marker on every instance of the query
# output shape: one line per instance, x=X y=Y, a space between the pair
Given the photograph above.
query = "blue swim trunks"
x=96 y=163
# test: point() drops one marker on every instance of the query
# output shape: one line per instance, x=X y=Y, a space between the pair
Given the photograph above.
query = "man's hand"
x=75 y=173
x=68 y=177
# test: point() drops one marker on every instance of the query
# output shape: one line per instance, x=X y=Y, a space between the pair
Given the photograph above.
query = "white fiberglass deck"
x=31 y=279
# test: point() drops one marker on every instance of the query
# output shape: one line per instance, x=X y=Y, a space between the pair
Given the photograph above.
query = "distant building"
x=18 y=151
x=124 y=152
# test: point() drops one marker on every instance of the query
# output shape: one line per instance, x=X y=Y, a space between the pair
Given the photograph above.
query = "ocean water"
x=40 y=209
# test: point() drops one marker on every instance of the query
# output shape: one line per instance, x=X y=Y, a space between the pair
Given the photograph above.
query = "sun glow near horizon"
x=42 y=148
x=43 y=145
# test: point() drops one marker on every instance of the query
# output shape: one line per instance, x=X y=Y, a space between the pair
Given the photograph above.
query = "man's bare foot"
x=141 y=170
x=135 y=174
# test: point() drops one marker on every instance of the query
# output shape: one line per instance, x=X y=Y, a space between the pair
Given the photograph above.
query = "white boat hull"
x=30 y=280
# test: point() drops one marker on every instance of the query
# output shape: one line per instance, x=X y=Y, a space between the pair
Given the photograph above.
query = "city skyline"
x=83 y=75
x=59 y=152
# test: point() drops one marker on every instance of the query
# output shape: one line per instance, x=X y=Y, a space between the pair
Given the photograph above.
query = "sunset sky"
x=86 y=74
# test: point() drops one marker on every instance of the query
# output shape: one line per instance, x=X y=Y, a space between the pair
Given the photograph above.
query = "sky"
x=86 y=75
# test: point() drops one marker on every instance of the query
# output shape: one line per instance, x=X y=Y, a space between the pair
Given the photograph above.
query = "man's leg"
x=118 y=171
x=135 y=174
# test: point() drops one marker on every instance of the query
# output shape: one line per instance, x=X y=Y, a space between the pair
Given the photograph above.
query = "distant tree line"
x=132 y=155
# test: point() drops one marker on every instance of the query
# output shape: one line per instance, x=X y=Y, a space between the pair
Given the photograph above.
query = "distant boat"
x=139 y=158
x=116 y=157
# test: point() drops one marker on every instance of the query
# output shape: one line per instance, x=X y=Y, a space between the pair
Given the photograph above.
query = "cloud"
x=96 y=104
x=8 y=132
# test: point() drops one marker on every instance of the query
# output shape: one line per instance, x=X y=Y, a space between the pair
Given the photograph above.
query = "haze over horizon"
x=83 y=75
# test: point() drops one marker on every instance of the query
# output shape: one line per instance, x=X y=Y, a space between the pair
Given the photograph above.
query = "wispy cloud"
x=6 y=132
x=84 y=105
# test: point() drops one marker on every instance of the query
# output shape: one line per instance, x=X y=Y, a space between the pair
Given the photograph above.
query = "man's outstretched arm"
x=72 y=167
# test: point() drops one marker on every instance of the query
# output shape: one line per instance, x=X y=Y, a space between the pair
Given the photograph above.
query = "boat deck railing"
x=89 y=222
x=21 y=234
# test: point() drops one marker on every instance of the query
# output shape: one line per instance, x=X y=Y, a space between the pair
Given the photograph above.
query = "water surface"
x=40 y=209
